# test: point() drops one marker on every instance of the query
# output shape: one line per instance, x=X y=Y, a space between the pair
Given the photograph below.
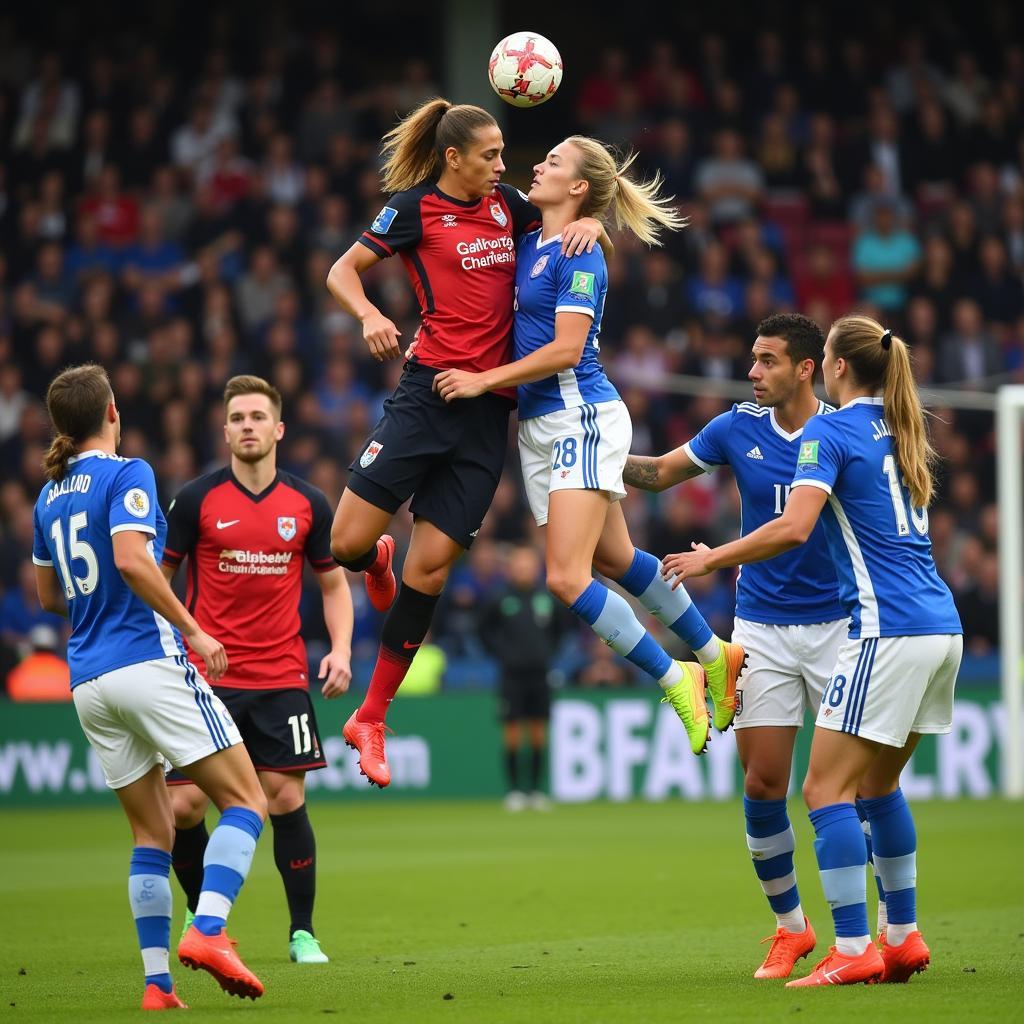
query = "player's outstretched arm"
x=659 y=472
x=379 y=333
x=790 y=530
x=336 y=666
x=136 y=565
x=51 y=597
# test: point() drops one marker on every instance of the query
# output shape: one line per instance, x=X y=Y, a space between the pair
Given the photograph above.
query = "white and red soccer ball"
x=525 y=69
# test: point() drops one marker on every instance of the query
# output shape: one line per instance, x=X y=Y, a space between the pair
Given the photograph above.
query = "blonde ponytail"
x=881 y=361
x=55 y=461
x=414 y=149
x=636 y=205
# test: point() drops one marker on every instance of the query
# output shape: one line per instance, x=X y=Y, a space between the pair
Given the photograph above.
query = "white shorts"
x=582 y=449
x=885 y=688
x=136 y=716
x=787 y=669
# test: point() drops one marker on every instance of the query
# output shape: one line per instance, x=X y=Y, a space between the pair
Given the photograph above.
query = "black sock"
x=408 y=621
x=295 y=857
x=536 y=768
x=361 y=562
x=187 y=858
x=512 y=768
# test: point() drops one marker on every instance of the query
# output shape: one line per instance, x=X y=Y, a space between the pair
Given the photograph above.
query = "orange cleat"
x=381 y=585
x=785 y=949
x=216 y=955
x=155 y=998
x=368 y=739
x=839 y=969
x=911 y=956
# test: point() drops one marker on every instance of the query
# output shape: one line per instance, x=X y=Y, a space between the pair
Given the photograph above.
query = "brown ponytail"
x=414 y=149
x=881 y=361
x=77 y=401
x=55 y=461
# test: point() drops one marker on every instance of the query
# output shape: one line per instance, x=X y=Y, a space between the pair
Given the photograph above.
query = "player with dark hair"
x=246 y=530
x=99 y=533
x=788 y=615
x=454 y=225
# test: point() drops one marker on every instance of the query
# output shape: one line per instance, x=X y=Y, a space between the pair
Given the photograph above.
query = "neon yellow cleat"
x=722 y=674
x=687 y=698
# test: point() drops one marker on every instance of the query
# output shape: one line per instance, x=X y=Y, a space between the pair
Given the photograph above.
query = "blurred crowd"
x=177 y=226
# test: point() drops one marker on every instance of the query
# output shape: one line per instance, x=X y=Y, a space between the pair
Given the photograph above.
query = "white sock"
x=710 y=651
x=883 y=916
x=853 y=945
x=895 y=934
x=672 y=676
x=793 y=920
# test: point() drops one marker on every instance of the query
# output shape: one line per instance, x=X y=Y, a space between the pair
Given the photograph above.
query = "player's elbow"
x=566 y=355
x=796 y=532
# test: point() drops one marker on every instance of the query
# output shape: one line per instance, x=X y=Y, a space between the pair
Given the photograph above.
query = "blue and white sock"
x=883 y=918
x=226 y=863
x=842 y=858
x=149 y=892
x=894 y=838
x=610 y=617
x=771 y=841
x=644 y=581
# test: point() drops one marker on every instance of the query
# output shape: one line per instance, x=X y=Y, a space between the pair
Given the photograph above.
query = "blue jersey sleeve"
x=40 y=552
x=133 y=502
x=709 y=448
x=822 y=454
x=581 y=283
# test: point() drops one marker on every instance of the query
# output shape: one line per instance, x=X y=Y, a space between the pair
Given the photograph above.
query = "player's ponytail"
x=414 y=149
x=881 y=361
x=636 y=205
x=77 y=401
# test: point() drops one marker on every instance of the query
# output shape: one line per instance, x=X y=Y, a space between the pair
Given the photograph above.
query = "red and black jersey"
x=245 y=554
x=461 y=259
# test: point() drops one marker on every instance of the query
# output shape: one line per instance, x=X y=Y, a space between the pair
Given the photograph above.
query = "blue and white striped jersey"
x=75 y=521
x=797 y=587
x=879 y=543
x=548 y=283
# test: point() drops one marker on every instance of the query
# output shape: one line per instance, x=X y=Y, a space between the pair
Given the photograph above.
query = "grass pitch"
x=462 y=912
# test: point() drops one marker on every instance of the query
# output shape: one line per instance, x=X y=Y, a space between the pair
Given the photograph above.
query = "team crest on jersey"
x=286 y=527
x=539 y=265
x=136 y=503
x=383 y=220
x=499 y=214
x=372 y=451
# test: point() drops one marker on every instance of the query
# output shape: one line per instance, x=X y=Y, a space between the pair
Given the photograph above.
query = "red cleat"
x=910 y=957
x=155 y=998
x=839 y=969
x=368 y=739
x=381 y=585
x=785 y=949
x=216 y=955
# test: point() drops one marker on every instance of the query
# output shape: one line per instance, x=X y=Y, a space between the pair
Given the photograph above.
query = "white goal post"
x=1009 y=469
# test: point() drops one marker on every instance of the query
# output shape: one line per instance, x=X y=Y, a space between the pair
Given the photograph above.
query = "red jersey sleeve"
x=398 y=226
x=318 y=543
x=183 y=524
x=525 y=216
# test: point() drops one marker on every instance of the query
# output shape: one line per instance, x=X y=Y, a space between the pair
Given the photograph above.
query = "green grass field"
x=461 y=912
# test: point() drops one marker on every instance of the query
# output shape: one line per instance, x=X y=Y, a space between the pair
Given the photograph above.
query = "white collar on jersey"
x=85 y=455
x=541 y=242
x=866 y=400
x=785 y=434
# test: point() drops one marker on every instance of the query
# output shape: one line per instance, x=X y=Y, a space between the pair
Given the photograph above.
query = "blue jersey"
x=798 y=586
x=880 y=545
x=548 y=283
x=75 y=519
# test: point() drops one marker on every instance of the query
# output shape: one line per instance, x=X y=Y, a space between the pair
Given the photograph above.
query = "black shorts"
x=278 y=729
x=447 y=457
x=524 y=695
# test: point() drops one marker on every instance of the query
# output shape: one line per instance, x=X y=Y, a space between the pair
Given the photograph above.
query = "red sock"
x=387 y=677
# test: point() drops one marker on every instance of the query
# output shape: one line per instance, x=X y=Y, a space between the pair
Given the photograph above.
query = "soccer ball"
x=525 y=69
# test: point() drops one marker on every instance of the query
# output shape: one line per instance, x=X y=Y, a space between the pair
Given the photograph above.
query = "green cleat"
x=722 y=674
x=688 y=700
x=305 y=949
x=189 y=918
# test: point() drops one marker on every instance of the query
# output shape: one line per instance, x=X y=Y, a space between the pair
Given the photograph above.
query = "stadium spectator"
x=969 y=353
x=728 y=182
x=885 y=257
x=42 y=676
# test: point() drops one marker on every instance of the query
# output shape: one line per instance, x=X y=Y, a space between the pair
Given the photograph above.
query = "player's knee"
x=762 y=784
x=188 y=810
x=817 y=792
x=345 y=545
x=565 y=585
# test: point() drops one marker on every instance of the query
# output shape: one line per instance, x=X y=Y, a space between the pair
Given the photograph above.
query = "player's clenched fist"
x=212 y=652
x=381 y=337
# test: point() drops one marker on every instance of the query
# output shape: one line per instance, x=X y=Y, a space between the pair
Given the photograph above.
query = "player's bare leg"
x=428 y=562
x=295 y=856
x=358 y=543
x=766 y=754
x=189 y=804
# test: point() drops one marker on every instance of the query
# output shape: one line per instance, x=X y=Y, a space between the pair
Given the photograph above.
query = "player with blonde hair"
x=866 y=470
x=575 y=431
